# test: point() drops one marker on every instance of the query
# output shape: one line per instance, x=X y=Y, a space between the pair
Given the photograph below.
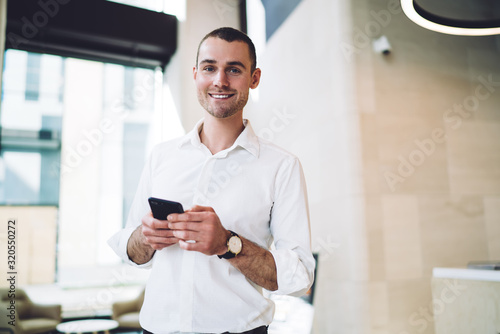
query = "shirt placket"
x=188 y=275
x=206 y=189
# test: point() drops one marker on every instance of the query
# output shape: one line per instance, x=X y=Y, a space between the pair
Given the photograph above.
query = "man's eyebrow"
x=230 y=63
x=207 y=61
x=236 y=63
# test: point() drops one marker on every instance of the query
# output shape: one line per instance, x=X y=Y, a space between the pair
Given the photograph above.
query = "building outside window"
x=32 y=91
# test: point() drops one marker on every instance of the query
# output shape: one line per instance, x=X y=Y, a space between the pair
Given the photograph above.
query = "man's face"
x=223 y=77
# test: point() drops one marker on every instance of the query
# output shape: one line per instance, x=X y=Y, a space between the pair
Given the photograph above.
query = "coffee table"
x=87 y=326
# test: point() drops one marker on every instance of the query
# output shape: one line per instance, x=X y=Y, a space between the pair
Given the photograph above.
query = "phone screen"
x=161 y=208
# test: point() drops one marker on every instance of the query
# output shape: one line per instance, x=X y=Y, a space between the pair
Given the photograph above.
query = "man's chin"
x=222 y=113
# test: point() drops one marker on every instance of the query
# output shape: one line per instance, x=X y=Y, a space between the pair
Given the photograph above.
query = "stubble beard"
x=222 y=111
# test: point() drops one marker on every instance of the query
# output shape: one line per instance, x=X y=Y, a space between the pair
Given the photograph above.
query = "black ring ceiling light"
x=455 y=17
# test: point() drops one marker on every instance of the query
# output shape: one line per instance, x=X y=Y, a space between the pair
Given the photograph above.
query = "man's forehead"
x=217 y=49
x=217 y=40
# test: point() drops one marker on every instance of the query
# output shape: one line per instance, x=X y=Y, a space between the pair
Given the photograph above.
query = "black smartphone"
x=161 y=208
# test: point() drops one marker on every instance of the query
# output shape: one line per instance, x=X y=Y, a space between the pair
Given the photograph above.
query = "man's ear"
x=255 y=78
x=195 y=72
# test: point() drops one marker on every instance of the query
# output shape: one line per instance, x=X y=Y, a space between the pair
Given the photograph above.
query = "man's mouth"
x=221 y=96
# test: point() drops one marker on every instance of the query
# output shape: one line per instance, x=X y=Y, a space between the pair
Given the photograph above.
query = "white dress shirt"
x=258 y=191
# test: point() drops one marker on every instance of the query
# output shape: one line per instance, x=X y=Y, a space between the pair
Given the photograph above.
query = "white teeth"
x=220 y=96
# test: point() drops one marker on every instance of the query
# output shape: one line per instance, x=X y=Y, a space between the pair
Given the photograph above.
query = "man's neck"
x=218 y=134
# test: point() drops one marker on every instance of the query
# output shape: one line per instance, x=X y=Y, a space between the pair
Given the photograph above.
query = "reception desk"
x=466 y=301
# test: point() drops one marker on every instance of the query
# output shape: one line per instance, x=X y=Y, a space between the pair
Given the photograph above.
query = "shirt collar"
x=192 y=136
x=247 y=139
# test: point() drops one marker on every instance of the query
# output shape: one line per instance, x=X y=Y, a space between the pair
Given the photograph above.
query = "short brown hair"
x=230 y=35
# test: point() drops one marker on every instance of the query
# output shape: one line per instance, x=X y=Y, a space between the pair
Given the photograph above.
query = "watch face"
x=234 y=244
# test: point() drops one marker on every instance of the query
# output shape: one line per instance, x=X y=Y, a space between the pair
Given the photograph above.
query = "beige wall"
x=30 y=232
x=432 y=103
x=379 y=224
x=352 y=119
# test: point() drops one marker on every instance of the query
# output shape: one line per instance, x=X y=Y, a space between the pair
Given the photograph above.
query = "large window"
x=75 y=135
x=31 y=122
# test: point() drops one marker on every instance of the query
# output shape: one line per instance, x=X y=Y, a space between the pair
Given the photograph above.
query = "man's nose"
x=220 y=79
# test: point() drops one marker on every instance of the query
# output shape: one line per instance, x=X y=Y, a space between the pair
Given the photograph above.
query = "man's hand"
x=156 y=232
x=150 y=236
x=202 y=225
x=199 y=229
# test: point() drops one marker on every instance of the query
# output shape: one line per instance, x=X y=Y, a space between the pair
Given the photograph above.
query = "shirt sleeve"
x=290 y=227
x=118 y=242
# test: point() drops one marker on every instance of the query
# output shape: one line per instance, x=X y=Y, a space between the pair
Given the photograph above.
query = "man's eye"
x=234 y=71
x=208 y=69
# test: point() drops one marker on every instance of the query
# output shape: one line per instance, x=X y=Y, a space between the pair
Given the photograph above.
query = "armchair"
x=30 y=317
x=127 y=312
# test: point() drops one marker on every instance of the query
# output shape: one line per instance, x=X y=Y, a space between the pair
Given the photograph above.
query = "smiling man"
x=221 y=80
x=210 y=265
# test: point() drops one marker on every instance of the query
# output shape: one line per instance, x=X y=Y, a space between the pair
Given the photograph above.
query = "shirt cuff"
x=295 y=276
x=118 y=244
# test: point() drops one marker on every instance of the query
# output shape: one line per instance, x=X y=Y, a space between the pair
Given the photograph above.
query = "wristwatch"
x=234 y=246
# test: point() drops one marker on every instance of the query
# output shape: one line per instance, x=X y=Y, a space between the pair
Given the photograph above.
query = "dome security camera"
x=382 y=45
